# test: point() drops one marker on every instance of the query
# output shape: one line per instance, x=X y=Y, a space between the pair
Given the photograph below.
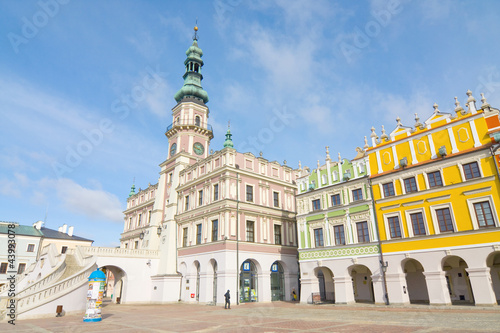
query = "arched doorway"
x=457 y=280
x=277 y=282
x=362 y=284
x=197 y=266
x=493 y=263
x=115 y=283
x=415 y=282
x=325 y=285
x=248 y=282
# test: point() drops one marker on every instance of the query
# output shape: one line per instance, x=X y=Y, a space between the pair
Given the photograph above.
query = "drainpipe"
x=383 y=264
x=237 y=237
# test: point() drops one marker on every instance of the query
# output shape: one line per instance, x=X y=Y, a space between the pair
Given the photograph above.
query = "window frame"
x=435 y=220
x=199 y=230
x=216 y=192
x=414 y=183
x=388 y=231
x=409 y=222
x=364 y=235
x=185 y=234
x=276 y=199
x=473 y=214
x=278 y=239
x=3 y=267
x=316 y=204
x=433 y=173
x=388 y=189
x=200 y=197
x=473 y=176
x=318 y=237
x=341 y=234
x=32 y=246
x=357 y=190
x=215 y=230
x=186 y=203
x=394 y=225
x=64 y=249
x=21 y=264
x=250 y=232
x=337 y=195
x=249 y=193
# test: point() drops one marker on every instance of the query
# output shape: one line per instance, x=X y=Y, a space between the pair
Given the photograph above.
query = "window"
x=64 y=249
x=249 y=193
x=277 y=234
x=335 y=199
x=417 y=223
x=216 y=192
x=184 y=237
x=434 y=179
x=410 y=185
x=21 y=268
x=363 y=235
x=338 y=230
x=444 y=219
x=215 y=230
x=250 y=231
x=357 y=194
x=394 y=227
x=149 y=217
x=316 y=204
x=31 y=248
x=197 y=121
x=388 y=189
x=136 y=245
x=471 y=170
x=186 y=202
x=200 y=198
x=139 y=220
x=318 y=237
x=276 y=199
x=126 y=245
x=3 y=268
x=198 y=233
x=484 y=215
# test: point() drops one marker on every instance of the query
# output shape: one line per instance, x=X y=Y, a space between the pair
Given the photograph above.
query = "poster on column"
x=94 y=301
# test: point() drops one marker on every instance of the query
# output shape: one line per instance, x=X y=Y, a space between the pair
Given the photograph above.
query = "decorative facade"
x=338 y=248
x=436 y=193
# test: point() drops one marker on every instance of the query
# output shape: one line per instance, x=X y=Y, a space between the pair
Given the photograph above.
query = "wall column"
x=378 y=289
x=344 y=292
x=437 y=288
x=397 y=289
x=480 y=280
x=308 y=285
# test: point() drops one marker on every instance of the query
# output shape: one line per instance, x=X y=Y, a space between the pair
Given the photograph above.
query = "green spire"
x=192 y=77
x=228 y=142
x=132 y=190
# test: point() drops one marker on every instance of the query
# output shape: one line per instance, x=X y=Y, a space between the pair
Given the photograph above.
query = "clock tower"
x=189 y=137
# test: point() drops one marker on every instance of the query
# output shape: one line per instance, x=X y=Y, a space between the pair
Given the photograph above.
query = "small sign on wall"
x=192 y=295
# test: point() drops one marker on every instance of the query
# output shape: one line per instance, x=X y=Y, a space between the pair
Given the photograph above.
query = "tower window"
x=197 y=121
x=196 y=68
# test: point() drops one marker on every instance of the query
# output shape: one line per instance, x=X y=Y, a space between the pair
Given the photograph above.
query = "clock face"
x=198 y=148
x=173 y=149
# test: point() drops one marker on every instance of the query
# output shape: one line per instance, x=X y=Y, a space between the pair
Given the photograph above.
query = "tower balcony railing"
x=190 y=122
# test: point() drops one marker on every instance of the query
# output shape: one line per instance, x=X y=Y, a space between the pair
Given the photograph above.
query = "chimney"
x=70 y=231
x=64 y=228
x=38 y=225
x=60 y=229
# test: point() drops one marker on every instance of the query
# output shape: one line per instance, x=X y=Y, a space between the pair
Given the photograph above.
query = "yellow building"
x=436 y=192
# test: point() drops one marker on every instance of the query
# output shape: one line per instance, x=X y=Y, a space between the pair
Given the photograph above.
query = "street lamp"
x=384 y=266
x=158 y=231
x=141 y=235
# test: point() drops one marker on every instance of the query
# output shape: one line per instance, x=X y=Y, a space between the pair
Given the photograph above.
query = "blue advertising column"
x=97 y=280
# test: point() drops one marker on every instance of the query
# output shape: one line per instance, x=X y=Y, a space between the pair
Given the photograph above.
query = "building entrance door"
x=248 y=282
x=277 y=282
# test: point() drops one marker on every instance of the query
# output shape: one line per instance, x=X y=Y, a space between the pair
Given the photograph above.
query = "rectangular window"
x=316 y=204
x=250 y=231
x=64 y=249
x=198 y=233
x=277 y=234
x=417 y=222
x=216 y=192
x=335 y=199
x=139 y=218
x=318 y=237
x=21 y=268
x=471 y=170
x=3 y=268
x=184 y=237
x=130 y=223
x=276 y=199
x=484 y=215
x=31 y=248
x=434 y=179
x=388 y=189
x=444 y=219
x=250 y=193
x=200 y=198
x=215 y=230
x=186 y=202
x=357 y=194
x=338 y=230
x=394 y=227
x=363 y=235
x=136 y=245
x=410 y=185
x=149 y=217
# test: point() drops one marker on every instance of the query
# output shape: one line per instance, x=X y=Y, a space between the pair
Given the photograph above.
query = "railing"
x=52 y=276
x=117 y=252
x=53 y=292
x=190 y=122
x=19 y=277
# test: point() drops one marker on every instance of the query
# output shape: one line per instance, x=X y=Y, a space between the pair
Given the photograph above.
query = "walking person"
x=294 y=295
x=227 y=305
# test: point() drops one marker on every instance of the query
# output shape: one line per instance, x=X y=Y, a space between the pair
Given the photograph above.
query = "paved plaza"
x=272 y=317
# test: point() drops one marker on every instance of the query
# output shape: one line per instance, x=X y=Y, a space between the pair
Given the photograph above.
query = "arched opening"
x=415 y=282
x=457 y=280
x=197 y=266
x=362 y=284
x=214 y=285
x=248 y=282
x=325 y=284
x=493 y=263
x=197 y=120
x=196 y=68
x=277 y=282
x=114 y=288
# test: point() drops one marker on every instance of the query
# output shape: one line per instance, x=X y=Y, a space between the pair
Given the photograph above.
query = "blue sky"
x=86 y=87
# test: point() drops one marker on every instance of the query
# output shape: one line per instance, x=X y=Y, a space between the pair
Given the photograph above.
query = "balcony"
x=189 y=124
